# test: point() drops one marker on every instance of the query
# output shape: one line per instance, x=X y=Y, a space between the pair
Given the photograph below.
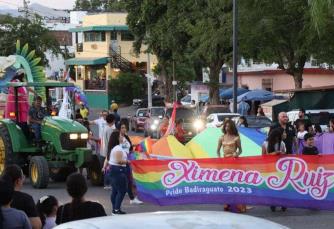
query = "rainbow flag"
x=290 y=181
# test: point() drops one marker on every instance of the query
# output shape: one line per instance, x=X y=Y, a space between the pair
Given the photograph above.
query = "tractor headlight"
x=84 y=136
x=74 y=136
x=156 y=122
x=153 y=127
x=198 y=124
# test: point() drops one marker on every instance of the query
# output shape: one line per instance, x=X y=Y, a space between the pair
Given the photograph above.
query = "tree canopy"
x=27 y=31
x=281 y=32
x=100 y=5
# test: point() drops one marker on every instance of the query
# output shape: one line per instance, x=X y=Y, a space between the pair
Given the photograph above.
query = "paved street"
x=293 y=218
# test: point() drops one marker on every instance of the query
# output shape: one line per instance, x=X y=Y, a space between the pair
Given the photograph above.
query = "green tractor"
x=63 y=149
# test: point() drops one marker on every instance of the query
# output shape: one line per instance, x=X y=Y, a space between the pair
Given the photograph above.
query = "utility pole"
x=174 y=83
x=149 y=86
x=235 y=55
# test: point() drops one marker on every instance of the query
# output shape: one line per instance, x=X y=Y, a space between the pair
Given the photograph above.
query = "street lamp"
x=235 y=55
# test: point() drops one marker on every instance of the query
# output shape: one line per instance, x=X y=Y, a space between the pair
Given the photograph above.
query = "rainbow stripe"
x=151 y=183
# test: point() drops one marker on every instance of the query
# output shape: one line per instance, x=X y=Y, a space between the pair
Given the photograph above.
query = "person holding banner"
x=230 y=141
x=274 y=144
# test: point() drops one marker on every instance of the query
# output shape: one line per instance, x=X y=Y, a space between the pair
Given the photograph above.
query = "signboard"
x=290 y=181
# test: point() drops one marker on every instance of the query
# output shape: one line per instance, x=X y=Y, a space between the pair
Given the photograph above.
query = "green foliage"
x=280 y=32
x=97 y=5
x=127 y=86
x=30 y=32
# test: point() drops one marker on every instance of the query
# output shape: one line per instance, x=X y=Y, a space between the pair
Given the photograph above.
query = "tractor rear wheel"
x=61 y=174
x=95 y=171
x=6 y=150
x=39 y=172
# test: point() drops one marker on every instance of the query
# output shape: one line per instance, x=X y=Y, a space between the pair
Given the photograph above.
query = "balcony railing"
x=79 y=47
x=97 y=85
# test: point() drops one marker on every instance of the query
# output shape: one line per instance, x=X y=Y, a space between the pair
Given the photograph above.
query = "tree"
x=127 y=86
x=210 y=27
x=32 y=32
x=97 y=5
x=280 y=32
x=320 y=10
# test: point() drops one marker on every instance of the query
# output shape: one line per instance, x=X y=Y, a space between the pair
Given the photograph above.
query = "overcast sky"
x=58 y=4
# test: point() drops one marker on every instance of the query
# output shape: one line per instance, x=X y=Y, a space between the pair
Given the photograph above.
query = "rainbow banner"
x=290 y=181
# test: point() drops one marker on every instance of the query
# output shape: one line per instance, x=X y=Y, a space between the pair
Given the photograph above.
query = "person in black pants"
x=117 y=159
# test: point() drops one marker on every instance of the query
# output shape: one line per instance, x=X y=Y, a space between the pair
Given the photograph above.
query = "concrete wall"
x=283 y=81
x=105 y=19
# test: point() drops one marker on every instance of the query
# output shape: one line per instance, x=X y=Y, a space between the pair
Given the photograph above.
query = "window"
x=267 y=84
x=127 y=36
x=95 y=36
x=113 y=35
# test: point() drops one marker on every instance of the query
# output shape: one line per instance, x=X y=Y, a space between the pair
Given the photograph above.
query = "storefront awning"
x=100 y=28
x=86 y=61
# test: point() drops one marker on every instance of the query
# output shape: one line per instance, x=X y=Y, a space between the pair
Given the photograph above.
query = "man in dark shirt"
x=36 y=116
x=22 y=201
x=302 y=119
x=309 y=148
x=289 y=133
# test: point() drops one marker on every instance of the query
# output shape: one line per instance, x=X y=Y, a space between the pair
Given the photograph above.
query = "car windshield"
x=141 y=113
x=187 y=98
x=156 y=112
x=258 y=121
x=182 y=113
x=222 y=109
x=221 y=118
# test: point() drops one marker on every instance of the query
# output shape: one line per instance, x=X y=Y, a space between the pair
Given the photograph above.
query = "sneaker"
x=136 y=201
x=107 y=187
x=118 y=212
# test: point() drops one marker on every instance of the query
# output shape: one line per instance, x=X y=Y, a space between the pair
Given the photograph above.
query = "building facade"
x=103 y=48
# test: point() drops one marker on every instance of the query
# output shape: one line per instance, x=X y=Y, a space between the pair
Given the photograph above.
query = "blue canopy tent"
x=257 y=95
x=228 y=93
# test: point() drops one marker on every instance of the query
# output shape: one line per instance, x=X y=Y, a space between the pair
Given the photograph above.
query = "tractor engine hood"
x=64 y=125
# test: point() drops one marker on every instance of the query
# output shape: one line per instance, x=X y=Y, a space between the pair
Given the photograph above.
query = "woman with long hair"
x=230 y=141
x=274 y=144
x=47 y=207
x=118 y=159
x=79 y=207
x=128 y=147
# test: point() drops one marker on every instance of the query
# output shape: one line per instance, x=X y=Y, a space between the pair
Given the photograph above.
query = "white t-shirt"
x=107 y=131
x=300 y=135
x=112 y=158
x=277 y=148
x=101 y=123
x=126 y=145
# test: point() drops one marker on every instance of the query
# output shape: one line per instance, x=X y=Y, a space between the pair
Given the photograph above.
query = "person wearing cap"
x=309 y=147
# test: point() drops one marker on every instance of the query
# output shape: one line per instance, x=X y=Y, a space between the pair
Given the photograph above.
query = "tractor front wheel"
x=39 y=172
x=6 y=150
x=94 y=171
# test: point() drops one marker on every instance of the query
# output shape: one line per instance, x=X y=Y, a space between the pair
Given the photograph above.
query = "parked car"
x=255 y=121
x=212 y=109
x=157 y=100
x=155 y=115
x=217 y=119
x=137 y=121
x=191 y=124
x=174 y=219
x=320 y=117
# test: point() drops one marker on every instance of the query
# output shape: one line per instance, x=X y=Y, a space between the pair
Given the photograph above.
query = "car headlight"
x=84 y=136
x=156 y=122
x=74 y=136
x=198 y=124
x=153 y=127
